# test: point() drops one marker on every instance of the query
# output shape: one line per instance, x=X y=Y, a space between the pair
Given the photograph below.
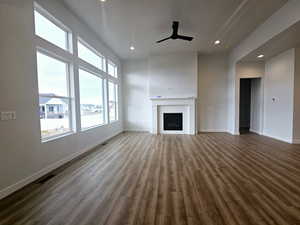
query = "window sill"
x=53 y=138
x=93 y=127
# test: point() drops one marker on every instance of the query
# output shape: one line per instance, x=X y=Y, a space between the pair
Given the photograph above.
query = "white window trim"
x=69 y=97
x=92 y=49
x=91 y=68
x=115 y=65
x=92 y=127
x=58 y=136
x=116 y=101
x=58 y=23
x=70 y=56
x=53 y=54
x=53 y=50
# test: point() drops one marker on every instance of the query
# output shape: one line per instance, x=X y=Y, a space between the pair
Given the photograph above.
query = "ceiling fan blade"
x=163 y=39
x=186 y=38
x=175 y=27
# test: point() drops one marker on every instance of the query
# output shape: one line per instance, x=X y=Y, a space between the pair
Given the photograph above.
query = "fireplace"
x=173 y=115
x=173 y=121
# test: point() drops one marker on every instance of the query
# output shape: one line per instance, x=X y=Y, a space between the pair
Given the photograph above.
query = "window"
x=51 y=32
x=91 y=99
x=54 y=99
x=112 y=69
x=98 y=97
x=90 y=56
x=113 y=101
x=51 y=108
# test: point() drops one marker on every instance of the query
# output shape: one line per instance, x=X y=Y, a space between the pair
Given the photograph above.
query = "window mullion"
x=91 y=68
x=53 y=96
x=65 y=50
x=103 y=102
x=70 y=114
x=115 y=101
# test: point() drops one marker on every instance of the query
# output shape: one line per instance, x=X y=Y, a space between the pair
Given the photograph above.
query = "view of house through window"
x=91 y=99
x=54 y=97
x=113 y=101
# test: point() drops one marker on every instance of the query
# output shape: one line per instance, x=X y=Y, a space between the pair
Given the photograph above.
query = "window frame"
x=81 y=67
x=116 y=101
x=56 y=22
x=68 y=97
x=92 y=49
x=110 y=62
x=70 y=56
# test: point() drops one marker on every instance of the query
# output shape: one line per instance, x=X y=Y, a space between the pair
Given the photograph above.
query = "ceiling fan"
x=175 y=34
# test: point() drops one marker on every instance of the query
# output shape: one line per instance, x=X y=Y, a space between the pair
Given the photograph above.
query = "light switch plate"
x=11 y=115
x=14 y=115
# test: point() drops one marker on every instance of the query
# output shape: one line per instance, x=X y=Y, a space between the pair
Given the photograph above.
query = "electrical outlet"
x=8 y=116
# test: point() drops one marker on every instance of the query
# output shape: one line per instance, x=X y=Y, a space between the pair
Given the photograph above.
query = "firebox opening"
x=173 y=121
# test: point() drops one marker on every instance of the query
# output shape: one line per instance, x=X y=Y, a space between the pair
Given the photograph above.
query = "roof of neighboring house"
x=51 y=101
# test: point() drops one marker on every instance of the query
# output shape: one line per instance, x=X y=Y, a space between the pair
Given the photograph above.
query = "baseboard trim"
x=28 y=180
x=255 y=131
x=296 y=141
x=212 y=131
x=136 y=130
x=278 y=138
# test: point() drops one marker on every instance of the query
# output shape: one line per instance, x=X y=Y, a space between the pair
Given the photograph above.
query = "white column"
x=192 y=119
x=154 y=129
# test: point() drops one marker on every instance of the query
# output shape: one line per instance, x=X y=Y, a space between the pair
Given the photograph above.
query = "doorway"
x=250 y=105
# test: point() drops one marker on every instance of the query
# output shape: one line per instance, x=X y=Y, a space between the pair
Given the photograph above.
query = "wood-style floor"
x=138 y=178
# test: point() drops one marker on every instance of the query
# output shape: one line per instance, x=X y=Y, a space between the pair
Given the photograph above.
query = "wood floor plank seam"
x=144 y=179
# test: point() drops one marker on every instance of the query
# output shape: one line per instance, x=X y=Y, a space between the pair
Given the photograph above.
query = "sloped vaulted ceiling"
x=122 y=23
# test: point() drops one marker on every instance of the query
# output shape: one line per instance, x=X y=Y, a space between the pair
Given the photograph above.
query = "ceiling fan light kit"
x=175 y=34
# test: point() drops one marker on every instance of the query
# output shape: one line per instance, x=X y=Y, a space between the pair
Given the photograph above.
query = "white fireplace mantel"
x=187 y=106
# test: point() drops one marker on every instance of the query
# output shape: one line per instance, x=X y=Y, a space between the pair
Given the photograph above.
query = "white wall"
x=137 y=105
x=250 y=69
x=212 y=85
x=23 y=157
x=280 y=118
x=256 y=105
x=279 y=96
x=173 y=75
x=210 y=101
x=296 y=128
x=212 y=92
x=277 y=23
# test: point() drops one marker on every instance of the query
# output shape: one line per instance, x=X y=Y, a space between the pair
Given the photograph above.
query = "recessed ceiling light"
x=260 y=56
x=132 y=48
x=102 y=0
x=217 y=42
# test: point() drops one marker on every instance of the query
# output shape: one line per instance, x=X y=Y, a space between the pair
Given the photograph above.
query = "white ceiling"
x=122 y=23
x=285 y=40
